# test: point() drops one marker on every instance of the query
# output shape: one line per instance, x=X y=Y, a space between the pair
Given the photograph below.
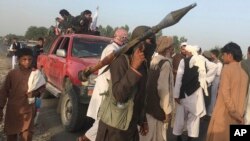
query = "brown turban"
x=163 y=43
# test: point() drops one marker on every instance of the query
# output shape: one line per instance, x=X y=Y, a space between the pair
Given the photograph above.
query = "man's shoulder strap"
x=162 y=62
x=127 y=59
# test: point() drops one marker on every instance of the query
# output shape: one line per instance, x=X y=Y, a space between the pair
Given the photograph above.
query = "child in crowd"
x=19 y=116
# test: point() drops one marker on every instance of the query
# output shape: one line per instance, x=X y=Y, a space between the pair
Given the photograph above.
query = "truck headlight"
x=91 y=79
x=88 y=86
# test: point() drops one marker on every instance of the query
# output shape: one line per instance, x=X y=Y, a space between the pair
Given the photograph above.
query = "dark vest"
x=153 y=100
x=190 y=79
x=16 y=46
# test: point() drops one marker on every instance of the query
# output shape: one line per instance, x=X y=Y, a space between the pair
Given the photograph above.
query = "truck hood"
x=90 y=61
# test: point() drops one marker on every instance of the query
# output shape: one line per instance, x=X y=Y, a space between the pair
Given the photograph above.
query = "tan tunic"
x=231 y=97
x=19 y=114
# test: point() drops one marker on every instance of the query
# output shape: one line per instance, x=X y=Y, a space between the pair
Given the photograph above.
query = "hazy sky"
x=211 y=23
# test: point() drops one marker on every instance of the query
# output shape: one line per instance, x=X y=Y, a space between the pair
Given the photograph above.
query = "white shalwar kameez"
x=214 y=88
x=191 y=108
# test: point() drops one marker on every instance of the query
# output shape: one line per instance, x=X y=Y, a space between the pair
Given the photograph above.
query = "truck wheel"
x=72 y=111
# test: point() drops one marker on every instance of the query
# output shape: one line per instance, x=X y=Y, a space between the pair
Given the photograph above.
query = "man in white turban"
x=188 y=93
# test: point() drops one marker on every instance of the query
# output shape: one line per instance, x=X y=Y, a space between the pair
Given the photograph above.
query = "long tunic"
x=214 y=87
x=19 y=114
x=164 y=86
x=231 y=98
x=124 y=80
x=192 y=107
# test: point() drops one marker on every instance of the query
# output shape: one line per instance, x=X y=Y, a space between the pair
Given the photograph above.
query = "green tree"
x=34 y=32
x=126 y=27
x=108 y=31
x=10 y=37
x=178 y=41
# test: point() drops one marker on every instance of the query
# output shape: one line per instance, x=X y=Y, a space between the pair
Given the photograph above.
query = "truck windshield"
x=87 y=48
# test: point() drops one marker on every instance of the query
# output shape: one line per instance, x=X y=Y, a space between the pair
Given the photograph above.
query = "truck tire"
x=72 y=111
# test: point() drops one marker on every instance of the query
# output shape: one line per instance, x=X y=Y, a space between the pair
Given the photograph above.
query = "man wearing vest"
x=128 y=85
x=159 y=90
x=188 y=93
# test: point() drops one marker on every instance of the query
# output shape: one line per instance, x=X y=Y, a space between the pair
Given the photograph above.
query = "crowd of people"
x=175 y=90
x=145 y=91
x=149 y=92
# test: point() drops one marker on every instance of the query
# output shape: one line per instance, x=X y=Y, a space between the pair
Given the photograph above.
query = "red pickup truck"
x=66 y=56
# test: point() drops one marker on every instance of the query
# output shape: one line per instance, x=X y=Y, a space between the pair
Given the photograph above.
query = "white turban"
x=192 y=49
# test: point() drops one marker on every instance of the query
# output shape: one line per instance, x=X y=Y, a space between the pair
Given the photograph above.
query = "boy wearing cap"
x=14 y=93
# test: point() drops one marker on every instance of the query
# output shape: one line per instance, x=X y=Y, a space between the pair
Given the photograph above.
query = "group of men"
x=79 y=24
x=162 y=87
x=149 y=86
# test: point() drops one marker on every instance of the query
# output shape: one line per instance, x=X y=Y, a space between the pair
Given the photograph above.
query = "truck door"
x=58 y=64
x=51 y=60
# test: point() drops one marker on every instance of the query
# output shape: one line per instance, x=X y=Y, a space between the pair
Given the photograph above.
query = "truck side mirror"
x=61 y=53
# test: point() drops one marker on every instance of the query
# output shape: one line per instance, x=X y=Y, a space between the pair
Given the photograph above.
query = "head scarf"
x=207 y=54
x=149 y=48
x=163 y=43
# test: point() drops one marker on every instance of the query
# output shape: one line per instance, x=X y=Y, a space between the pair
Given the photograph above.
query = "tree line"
x=34 y=32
